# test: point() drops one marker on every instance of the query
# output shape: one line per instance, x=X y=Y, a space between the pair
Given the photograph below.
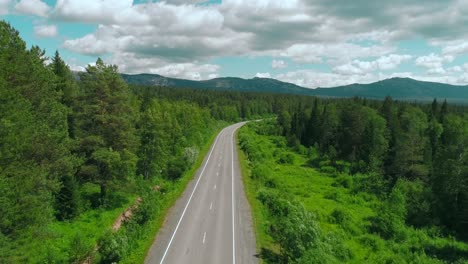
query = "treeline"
x=420 y=151
x=72 y=143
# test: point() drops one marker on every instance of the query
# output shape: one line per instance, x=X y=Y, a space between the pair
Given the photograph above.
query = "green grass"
x=174 y=191
x=259 y=214
x=344 y=212
x=59 y=239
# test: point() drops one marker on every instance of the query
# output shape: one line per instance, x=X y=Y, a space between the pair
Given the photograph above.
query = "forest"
x=359 y=181
x=77 y=149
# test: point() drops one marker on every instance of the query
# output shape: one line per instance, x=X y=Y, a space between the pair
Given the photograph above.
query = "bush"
x=112 y=247
x=261 y=172
x=417 y=205
x=390 y=220
x=334 y=196
x=343 y=218
x=372 y=183
x=79 y=249
x=344 y=181
x=339 y=216
x=176 y=168
x=327 y=169
x=286 y=158
x=373 y=242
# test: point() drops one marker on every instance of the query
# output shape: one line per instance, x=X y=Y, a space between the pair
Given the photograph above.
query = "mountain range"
x=398 y=88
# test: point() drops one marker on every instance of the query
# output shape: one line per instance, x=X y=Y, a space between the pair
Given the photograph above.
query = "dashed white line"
x=217 y=174
x=211 y=205
x=188 y=202
x=204 y=236
x=214 y=187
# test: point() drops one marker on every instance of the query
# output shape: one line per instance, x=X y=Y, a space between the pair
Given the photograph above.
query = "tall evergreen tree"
x=105 y=126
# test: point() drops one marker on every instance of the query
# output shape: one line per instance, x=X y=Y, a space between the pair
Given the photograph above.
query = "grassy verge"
x=259 y=214
x=174 y=191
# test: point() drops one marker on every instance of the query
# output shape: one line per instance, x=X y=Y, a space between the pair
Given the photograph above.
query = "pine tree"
x=105 y=126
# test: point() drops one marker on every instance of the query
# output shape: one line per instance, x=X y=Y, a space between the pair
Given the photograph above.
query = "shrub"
x=327 y=169
x=339 y=216
x=343 y=181
x=176 y=168
x=79 y=249
x=417 y=205
x=373 y=242
x=260 y=171
x=286 y=158
x=390 y=220
x=112 y=247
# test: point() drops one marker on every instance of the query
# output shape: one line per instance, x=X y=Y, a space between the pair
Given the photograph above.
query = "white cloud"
x=263 y=75
x=384 y=63
x=338 y=52
x=185 y=2
x=279 y=64
x=392 y=61
x=314 y=79
x=45 y=31
x=130 y=63
x=91 y=11
x=76 y=68
x=434 y=63
x=179 y=36
x=33 y=7
x=456 y=49
x=4 y=6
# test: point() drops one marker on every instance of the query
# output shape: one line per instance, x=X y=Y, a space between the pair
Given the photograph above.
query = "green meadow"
x=343 y=219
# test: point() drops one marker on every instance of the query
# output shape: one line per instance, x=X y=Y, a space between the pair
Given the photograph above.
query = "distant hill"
x=398 y=88
x=228 y=83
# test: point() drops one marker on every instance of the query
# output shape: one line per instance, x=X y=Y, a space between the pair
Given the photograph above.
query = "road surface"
x=211 y=222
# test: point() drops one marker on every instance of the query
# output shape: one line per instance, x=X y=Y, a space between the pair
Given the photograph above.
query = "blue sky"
x=313 y=43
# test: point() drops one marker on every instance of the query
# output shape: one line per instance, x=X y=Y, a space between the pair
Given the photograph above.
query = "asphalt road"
x=211 y=222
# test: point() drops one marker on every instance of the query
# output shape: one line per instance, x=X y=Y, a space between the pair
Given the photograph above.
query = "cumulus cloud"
x=263 y=75
x=434 y=63
x=456 y=49
x=278 y=64
x=383 y=63
x=32 y=7
x=91 y=11
x=45 y=31
x=187 y=35
x=315 y=53
x=314 y=79
x=131 y=63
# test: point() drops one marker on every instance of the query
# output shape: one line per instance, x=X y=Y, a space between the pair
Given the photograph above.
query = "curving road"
x=211 y=222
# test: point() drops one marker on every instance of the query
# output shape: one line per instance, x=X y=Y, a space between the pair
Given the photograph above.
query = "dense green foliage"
x=308 y=210
x=424 y=144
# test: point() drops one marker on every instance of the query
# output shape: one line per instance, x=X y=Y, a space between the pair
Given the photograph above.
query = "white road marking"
x=219 y=164
x=204 y=236
x=214 y=187
x=211 y=205
x=217 y=174
x=233 y=202
x=188 y=202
